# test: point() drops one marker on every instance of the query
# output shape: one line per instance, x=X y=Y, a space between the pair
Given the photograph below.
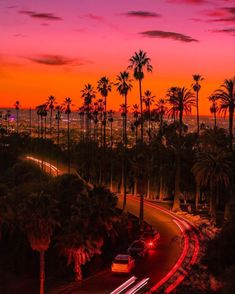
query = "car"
x=151 y=238
x=138 y=248
x=123 y=263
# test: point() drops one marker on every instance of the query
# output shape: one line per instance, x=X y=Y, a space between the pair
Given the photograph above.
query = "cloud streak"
x=142 y=14
x=53 y=60
x=168 y=35
x=226 y=31
x=40 y=15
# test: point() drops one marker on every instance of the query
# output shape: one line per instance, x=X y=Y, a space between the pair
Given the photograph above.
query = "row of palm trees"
x=179 y=101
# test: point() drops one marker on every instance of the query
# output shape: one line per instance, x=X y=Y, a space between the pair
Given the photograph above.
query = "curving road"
x=166 y=267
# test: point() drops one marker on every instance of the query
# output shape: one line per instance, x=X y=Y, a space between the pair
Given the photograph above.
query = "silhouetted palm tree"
x=148 y=100
x=38 y=218
x=214 y=108
x=196 y=87
x=17 y=108
x=136 y=113
x=182 y=101
x=161 y=109
x=51 y=106
x=104 y=87
x=139 y=62
x=67 y=110
x=88 y=94
x=211 y=171
x=226 y=97
x=172 y=94
x=124 y=86
x=59 y=110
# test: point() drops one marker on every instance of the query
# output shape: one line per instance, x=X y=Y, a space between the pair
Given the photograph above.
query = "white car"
x=123 y=264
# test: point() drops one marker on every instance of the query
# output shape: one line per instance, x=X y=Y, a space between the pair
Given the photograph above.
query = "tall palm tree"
x=214 y=108
x=148 y=100
x=59 y=110
x=226 y=97
x=172 y=95
x=104 y=87
x=67 y=110
x=161 y=109
x=138 y=63
x=17 y=108
x=212 y=171
x=136 y=113
x=88 y=94
x=44 y=115
x=196 y=87
x=124 y=86
x=51 y=106
x=38 y=219
x=181 y=102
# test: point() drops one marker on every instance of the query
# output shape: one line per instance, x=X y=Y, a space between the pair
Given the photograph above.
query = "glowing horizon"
x=49 y=49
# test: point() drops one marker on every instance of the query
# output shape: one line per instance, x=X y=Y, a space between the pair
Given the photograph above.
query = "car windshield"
x=121 y=261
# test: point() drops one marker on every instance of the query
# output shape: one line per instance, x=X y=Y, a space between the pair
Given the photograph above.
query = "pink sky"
x=55 y=47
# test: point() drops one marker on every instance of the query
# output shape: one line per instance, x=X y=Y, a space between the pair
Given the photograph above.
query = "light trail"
x=179 y=261
x=39 y=161
x=125 y=285
x=138 y=286
x=183 y=225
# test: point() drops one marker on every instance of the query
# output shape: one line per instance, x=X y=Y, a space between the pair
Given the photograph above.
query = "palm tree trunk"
x=176 y=203
x=231 y=113
x=17 y=121
x=197 y=196
x=58 y=143
x=68 y=142
x=198 y=124
x=213 y=203
x=141 y=113
x=105 y=100
x=77 y=269
x=30 y=121
x=161 y=188
x=42 y=272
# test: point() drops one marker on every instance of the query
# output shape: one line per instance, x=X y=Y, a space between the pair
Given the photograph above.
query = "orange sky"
x=54 y=50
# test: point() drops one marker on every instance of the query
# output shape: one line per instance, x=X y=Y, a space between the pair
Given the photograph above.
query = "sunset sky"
x=55 y=47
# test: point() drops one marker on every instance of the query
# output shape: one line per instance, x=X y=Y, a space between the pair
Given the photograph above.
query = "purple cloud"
x=224 y=14
x=168 y=35
x=40 y=15
x=226 y=31
x=47 y=59
x=142 y=14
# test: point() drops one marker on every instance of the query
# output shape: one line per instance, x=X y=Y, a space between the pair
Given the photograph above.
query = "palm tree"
x=88 y=94
x=110 y=119
x=44 y=114
x=148 y=99
x=7 y=118
x=124 y=86
x=214 y=109
x=67 y=110
x=17 y=108
x=196 y=87
x=161 y=109
x=172 y=95
x=51 y=105
x=212 y=171
x=59 y=110
x=182 y=101
x=138 y=63
x=38 y=219
x=226 y=97
x=136 y=113
x=104 y=87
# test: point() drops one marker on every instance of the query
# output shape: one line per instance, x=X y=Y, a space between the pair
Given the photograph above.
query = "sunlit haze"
x=55 y=47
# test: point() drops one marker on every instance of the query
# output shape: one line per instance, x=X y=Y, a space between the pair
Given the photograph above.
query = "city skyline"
x=49 y=50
